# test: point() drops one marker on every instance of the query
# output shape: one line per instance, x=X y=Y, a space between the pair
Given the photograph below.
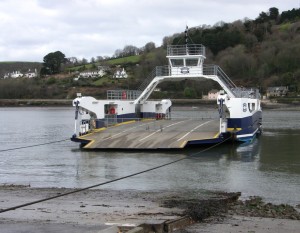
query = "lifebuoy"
x=124 y=96
x=112 y=110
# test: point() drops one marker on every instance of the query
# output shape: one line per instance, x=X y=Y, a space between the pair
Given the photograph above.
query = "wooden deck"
x=153 y=134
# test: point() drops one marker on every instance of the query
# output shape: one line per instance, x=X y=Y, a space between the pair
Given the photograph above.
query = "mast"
x=186 y=39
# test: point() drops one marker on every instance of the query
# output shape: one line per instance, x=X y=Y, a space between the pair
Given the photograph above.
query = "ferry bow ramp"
x=127 y=119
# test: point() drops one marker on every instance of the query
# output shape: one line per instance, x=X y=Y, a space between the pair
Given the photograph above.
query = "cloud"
x=31 y=29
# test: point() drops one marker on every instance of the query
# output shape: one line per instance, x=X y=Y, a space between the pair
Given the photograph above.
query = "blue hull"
x=248 y=127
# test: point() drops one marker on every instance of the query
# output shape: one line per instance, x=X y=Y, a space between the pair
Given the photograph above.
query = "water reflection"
x=247 y=152
x=244 y=152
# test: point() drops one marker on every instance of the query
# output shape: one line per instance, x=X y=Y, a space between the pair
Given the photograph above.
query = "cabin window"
x=177 y=62
x=251 y=107
x=191 y=62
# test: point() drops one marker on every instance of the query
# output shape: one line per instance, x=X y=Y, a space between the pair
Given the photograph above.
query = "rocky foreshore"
x=102 y=207
x=255 y=207
x=230 y=204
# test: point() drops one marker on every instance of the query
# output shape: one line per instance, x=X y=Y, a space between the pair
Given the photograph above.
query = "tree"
x=149 y=47
x=263 y=17
x=167 y=40
x=250 y=41
x=52 y=62
x=130 y=50
x=189 y=92
x=72 y=60
x=118 y=53
x=273 y=13
x=84 y=61
x=99 y=58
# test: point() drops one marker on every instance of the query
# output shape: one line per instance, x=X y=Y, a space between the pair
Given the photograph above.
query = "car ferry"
x=240 y=113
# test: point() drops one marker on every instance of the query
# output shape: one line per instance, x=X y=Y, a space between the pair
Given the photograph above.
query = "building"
x=93 y=74
x=120 y=74
x=277 y=91
x=18 y=74
x=30 y=74
x=213 y=94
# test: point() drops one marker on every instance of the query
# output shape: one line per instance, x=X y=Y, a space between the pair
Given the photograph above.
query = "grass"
x=102 y=81
x=76 y=68
x=116 y=61
x=285 y=26
x=124 y=60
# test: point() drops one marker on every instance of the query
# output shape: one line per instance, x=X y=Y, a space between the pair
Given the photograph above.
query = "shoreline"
x=266 y=104
x=186 y=210
x=35 y=102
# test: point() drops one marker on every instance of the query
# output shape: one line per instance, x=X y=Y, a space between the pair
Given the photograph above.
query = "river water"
x=269 y=167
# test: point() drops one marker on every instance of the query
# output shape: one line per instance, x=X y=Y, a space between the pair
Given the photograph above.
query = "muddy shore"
x=163 y=210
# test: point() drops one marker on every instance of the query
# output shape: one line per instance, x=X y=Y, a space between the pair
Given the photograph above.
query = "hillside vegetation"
x=255 y=53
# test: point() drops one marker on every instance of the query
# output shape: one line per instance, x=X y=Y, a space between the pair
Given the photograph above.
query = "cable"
x=111 y=181
x=23 y=147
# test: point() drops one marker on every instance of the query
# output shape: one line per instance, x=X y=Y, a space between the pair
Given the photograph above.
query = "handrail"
x=123 y=94
x=190 y=49
x=156 y=72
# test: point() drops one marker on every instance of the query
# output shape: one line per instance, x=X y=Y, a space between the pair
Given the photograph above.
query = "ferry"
x=97 y=121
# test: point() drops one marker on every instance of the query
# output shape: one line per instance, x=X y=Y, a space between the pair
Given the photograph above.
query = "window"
x=251 y=107
x=191 y=62
x=177 y=62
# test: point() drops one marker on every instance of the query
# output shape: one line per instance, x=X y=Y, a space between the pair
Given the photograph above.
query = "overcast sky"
x=30 y=29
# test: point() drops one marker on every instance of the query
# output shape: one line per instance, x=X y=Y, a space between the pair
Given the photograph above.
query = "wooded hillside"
x=262 y=52
x=255 y=53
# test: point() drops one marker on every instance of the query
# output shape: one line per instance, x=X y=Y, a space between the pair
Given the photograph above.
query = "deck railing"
x=123 y=94
x=242 y=92
x=190 y=49
x=157 y=71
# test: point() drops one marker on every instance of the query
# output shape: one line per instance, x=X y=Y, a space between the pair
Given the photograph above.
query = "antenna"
x=186 y=39
x=186 y=35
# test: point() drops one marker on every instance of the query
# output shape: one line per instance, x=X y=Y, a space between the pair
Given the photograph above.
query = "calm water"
x=270 y=167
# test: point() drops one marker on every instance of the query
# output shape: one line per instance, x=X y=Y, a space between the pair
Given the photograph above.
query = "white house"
x=213 y=94
x=120 y=74
x=277 y=91
x=16 y=74
x=93 y=74
x=30 y=74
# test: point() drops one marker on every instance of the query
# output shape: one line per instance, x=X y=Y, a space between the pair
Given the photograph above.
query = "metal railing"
x=216 y=70
x=123 y=94
x=242 y=92
x=190 y=49
x=157 y=71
